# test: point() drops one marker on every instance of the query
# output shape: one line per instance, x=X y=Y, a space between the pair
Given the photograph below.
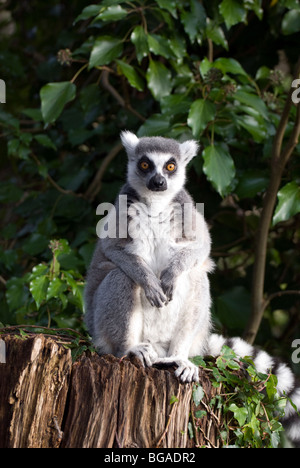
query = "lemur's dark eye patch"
x=145 y=164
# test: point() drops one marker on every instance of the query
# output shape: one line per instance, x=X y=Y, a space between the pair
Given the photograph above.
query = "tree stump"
x=47 y=401
x=33 y=392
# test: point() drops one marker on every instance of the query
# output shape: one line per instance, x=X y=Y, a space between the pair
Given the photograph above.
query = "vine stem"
x=78 y=72
x=279 y=159
x=173 y=410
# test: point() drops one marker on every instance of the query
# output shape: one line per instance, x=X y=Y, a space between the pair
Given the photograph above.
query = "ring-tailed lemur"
x=147 y=291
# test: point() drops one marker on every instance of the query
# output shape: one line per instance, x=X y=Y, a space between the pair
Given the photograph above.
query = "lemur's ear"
x=188 y=150
x=129 y=141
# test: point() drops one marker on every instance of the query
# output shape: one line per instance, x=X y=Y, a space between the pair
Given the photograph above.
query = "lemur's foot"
x=145 y=352
x=186 y=371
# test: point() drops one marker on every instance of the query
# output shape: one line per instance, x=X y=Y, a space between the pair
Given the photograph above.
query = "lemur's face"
x=157 y=164
x=156 y=170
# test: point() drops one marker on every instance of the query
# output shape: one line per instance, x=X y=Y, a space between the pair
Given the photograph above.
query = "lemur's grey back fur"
x=149 y=295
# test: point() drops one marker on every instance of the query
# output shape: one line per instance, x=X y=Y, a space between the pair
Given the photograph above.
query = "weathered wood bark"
x=48 y=401
x=33 y=392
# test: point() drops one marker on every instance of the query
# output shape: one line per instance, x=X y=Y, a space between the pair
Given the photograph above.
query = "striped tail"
x=264 y=363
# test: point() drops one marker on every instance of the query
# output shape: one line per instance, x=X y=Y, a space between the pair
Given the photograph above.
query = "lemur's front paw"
x=145 y=352
x=155 y=294
x=167 y=283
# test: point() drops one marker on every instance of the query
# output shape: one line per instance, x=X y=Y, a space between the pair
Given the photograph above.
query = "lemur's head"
x=156 y=164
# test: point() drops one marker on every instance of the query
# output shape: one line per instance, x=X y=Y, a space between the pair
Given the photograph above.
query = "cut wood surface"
x=48 y=401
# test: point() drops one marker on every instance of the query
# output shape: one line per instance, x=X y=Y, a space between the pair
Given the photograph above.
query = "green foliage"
x=249 y=401
x=54 y=97
x=289 y=202
x=218 y=167
x=49 y=294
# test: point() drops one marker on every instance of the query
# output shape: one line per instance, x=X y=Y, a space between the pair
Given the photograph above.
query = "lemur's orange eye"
x=171 y=167
x=144 y=165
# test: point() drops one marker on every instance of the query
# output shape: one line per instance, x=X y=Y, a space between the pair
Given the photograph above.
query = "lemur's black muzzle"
x=157 y=183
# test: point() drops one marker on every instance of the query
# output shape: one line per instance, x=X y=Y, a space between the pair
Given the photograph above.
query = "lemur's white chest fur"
x=151 y=230
x=156 y=174
x=154 y=240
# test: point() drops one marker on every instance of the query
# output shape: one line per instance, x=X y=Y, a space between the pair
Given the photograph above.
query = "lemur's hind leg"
x=193 y=328
x=117 y=301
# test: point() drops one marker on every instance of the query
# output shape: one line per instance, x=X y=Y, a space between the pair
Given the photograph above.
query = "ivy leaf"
x=229 y=65
x=198 y=394
x=194 y=20
x=55 y=288
x=87 y=12
x=131 y=74
x=159 y=46
x=54 y=97
x=233 y=12
x=218 y=167
x=251 y=182
x=240 y=414
x=35 y=244
x=45 y=141
x=217 y=375
x=139 y=39
x=202 y=111
x=178 y=47
x=191 y=430
x=173 y=400
x=112 y=13
x=205 y=66
x=106 y=49
x=16 y=293
x=157 y=124
x=255 y=426
x=77 y=290
x=275 y=439
x=200 y=414
x=288 y=202
x=216 y=34
x=271 y=387
x=169 y=5
x=38 y=270
x=38 y=288
x=159 y=80
x=252 y=100
x=76 y=298
x=175 y=104
x=253 y=126
x=291 y=22
x=9 y=192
